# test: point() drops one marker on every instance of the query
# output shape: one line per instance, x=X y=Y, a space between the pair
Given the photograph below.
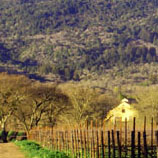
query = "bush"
x=0 y=133
x=21 y=136
x=11 y=135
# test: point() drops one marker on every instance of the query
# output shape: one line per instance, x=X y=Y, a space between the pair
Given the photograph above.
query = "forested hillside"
x=77 y=39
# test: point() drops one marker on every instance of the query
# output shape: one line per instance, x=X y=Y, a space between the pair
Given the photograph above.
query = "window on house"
x=123 y=110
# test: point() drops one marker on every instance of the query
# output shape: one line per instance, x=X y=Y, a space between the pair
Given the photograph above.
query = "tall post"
x=98 y=154
x=145 y=124
x=152 y=134
x=119 y=144
x=145 y=145
x=102 y=144
x=134 y=124
x=113 y=144
x=72 y=141
x=139 y=145
x=132 y=144
x=109 y=145
x=156 y=136
x=126 y=152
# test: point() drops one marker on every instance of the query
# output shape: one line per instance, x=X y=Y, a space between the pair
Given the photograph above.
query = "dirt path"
x=10 y=150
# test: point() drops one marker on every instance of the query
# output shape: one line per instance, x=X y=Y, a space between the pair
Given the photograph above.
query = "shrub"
x=11 y=135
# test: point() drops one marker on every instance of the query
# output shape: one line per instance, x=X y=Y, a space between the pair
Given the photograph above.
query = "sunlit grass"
x=34 y=150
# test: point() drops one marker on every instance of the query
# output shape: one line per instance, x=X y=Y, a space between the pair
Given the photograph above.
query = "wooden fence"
x=99 y=140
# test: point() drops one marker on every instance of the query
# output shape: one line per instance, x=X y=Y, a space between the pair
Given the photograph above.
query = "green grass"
x=34 y=150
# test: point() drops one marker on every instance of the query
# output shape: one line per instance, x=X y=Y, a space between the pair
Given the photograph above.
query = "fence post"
x=98 y=154
x=113 y=143
x=109 y=145
x=81 y=141
x=56 y=137
x=126 y=137
x=145 y=145
x=144 y=123
x=144 y=139
x=52 y=138
x=85 y=144
x=93 y=143
x=139 y=145
x=72 y=141
x=133 y=144
x=59 y=139
x=87 y=137
x=78 y=147
x=152 y=130
x=63 y=141
x=91 y=139
x=66 y=142
x=134 y=124
x=120 y=131
x=75 y=142
x=156 y=135
x=119 y=144
x=102 y=143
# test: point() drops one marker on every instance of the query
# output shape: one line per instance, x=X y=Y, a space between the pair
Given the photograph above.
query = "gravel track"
x=10 y=150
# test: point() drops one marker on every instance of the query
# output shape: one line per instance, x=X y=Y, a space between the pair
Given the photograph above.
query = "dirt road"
x=10 y=150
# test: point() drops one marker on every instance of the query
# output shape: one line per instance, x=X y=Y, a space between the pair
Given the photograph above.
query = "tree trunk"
x=4 y=133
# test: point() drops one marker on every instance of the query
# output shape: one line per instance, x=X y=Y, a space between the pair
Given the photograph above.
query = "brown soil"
x=10 y=150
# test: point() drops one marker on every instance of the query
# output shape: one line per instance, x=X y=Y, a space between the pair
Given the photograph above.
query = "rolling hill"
x=81 y=39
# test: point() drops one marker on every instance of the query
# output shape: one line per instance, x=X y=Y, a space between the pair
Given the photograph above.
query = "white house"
x=123 y=111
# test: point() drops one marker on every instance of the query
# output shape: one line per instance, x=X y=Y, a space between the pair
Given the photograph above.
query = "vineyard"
x=101 y=140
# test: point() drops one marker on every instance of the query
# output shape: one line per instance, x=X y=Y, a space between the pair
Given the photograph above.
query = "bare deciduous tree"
x=147 y=99
x=11 y=90
x=42 y=105
x=81 y=102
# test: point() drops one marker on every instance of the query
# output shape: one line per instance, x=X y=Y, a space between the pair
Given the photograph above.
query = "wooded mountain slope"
x=76 y=38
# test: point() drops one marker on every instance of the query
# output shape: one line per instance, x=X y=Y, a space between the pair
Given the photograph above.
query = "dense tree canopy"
x=29 y=103
x=63 y=37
